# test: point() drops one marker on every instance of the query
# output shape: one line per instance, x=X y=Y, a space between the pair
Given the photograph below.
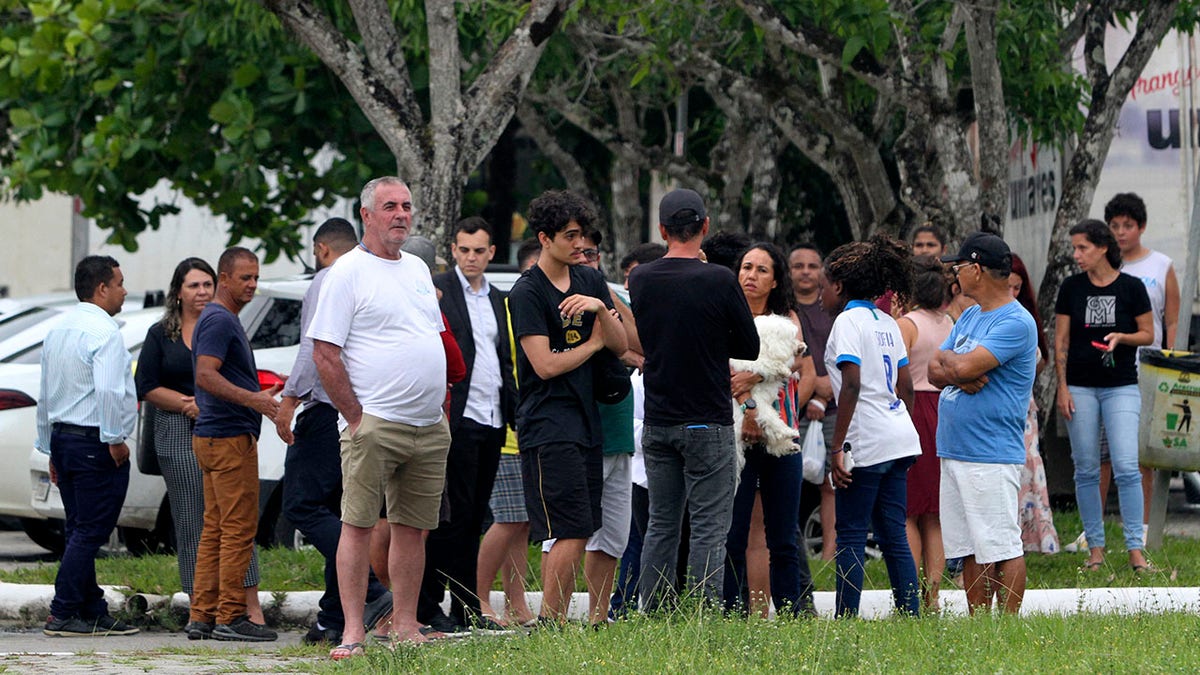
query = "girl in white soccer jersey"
x=868 y=368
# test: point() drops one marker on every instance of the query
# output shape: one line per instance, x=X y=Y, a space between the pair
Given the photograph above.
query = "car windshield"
x=11 y=325
x=31 y=354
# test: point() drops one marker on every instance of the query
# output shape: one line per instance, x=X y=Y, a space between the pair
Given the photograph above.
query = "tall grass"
x=698 y=643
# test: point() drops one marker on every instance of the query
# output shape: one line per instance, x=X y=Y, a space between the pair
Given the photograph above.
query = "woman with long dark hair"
x=1101 y=317
x=166 y=380
x=770 y=411
x=868 y=366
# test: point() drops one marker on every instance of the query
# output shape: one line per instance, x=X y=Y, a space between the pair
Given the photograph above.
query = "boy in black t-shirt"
x=562 y=316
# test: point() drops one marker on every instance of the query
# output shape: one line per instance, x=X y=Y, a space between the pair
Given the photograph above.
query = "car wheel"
x=810 y=530
x=49 y=534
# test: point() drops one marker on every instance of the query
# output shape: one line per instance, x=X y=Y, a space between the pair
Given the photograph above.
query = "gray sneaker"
x=243 y=630
x=107 y=625
x=73 y=627
x=199 y=630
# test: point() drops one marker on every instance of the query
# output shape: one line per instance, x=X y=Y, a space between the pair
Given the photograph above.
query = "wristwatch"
x=749 y=404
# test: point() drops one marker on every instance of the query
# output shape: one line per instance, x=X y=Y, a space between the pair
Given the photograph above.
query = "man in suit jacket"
x=480 y=408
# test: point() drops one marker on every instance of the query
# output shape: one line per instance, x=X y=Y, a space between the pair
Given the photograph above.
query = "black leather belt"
x=92 y=433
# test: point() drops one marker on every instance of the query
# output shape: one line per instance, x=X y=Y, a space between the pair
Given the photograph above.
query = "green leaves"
x=245 y=75
x=853 y=46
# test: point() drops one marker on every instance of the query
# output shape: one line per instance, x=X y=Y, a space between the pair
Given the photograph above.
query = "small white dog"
x=778 y=346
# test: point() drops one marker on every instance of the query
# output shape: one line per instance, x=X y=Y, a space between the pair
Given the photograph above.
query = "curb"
x=31 y=602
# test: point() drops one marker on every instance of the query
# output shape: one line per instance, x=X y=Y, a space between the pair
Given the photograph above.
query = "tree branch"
x=492 y=98
x=1073 y=31
x=821 y=46
x=311 y=27
x=381 y=42
x=534 y=124
x=445 y=82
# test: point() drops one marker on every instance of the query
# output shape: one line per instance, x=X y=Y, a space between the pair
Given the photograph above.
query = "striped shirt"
x=303 y=383
x=87 y=378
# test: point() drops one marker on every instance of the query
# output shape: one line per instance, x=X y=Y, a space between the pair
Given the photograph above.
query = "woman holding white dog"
x=767 y=396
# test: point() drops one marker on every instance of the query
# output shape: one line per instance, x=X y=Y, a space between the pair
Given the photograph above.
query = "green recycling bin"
x=1169 y=432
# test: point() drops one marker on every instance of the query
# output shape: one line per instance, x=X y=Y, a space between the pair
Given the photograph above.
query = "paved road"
x=29 y=651
x=18 y=550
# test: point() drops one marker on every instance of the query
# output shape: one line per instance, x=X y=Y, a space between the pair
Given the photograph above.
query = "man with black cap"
x=986 y=368
x=696 y=319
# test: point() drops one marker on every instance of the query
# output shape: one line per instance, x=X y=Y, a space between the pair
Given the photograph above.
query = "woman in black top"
x=166 y=380
x=1101 y=317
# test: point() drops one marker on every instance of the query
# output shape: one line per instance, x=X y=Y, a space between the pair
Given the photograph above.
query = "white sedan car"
x=272 y=320
x=20 y=386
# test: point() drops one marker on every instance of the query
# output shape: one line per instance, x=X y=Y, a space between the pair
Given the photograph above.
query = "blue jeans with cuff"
x=876 y=499
x=778 y=480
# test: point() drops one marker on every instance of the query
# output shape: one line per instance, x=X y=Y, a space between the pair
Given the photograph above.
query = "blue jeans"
x=1120 y=409
x=778 y=479
x=312 y=494
x=876 y=499
x=93 y=491
x=692 y=465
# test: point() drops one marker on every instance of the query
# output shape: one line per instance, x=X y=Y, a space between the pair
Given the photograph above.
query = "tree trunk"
x=767 y=182
x=1109 y=91
x=627 y=216
x=437 y=202
x=936 y=176
x=990 y=112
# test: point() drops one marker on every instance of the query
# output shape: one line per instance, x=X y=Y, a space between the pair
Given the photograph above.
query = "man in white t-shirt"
x=1125 y=214
x=378 y=352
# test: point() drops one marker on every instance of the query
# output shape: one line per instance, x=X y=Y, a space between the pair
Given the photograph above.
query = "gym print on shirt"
x=1101 y=310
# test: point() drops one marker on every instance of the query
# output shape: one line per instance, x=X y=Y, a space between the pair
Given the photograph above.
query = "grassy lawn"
x=285 y=570
x=690 y=641
x=691 y=644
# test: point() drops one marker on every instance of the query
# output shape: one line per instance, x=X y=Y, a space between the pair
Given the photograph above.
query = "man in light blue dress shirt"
x=88 y=408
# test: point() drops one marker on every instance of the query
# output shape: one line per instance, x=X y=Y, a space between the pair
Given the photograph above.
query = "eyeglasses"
x=959 y=266
x=591 y=253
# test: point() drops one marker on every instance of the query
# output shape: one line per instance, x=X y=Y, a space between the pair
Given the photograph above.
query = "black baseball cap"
x=681 y=207
x=986 y=249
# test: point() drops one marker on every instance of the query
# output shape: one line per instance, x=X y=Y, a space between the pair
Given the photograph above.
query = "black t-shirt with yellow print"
x=561 y=409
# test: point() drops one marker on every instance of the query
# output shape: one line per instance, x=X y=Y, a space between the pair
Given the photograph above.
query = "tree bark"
x=766 y=184
x=435 y=156
x=628 y=218
x=990 y=112
x=1109 y=91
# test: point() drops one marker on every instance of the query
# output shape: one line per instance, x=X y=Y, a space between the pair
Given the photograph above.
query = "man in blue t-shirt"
x=986 y=368
x=225 y=441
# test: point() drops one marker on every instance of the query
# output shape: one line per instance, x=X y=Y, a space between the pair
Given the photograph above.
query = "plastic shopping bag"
x=813 y=449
